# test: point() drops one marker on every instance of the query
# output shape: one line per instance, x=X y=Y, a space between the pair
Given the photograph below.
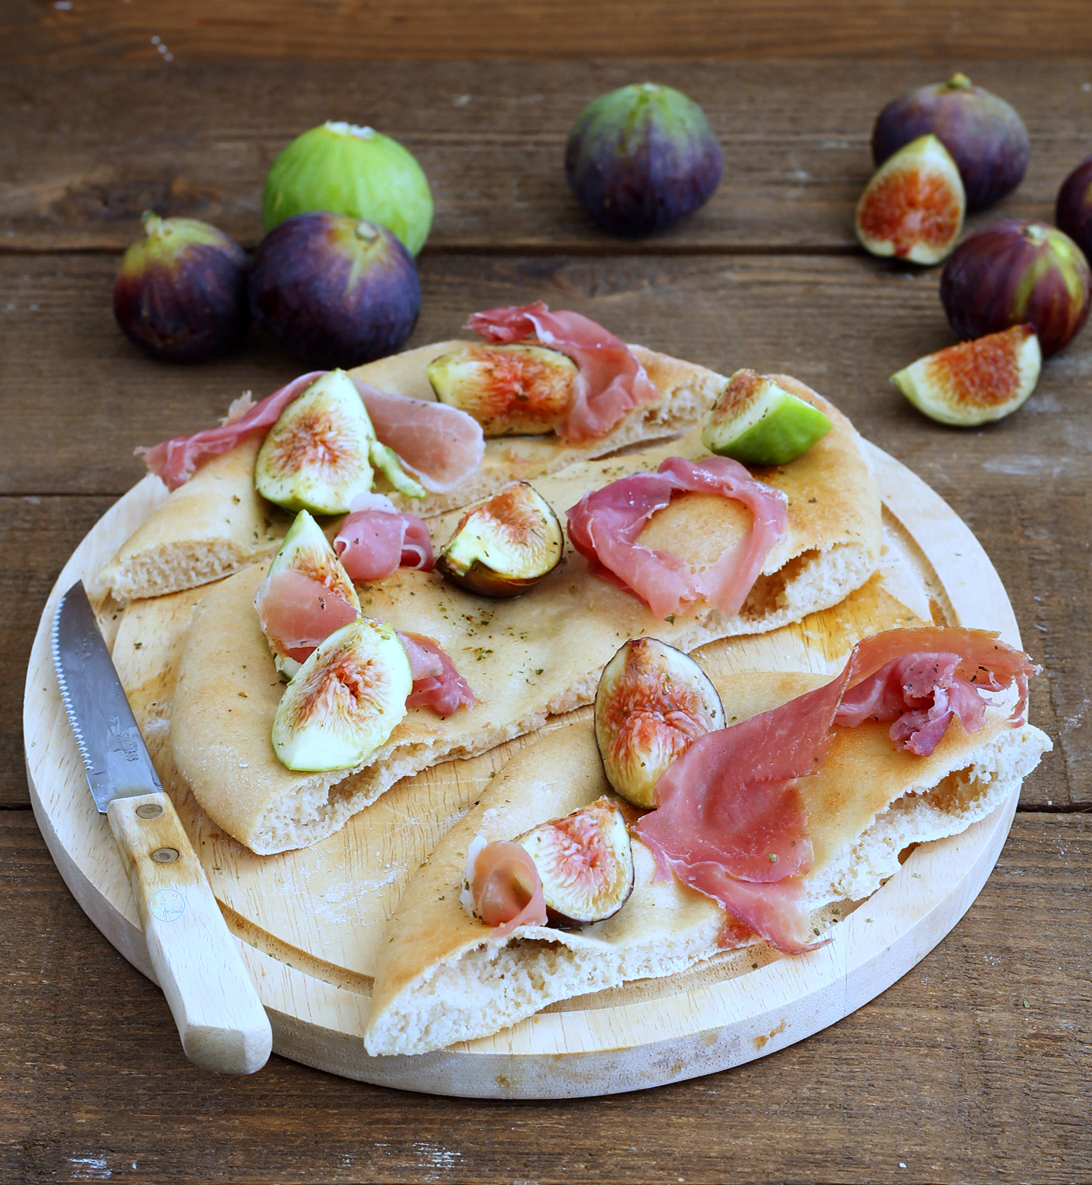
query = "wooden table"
x=975 y=1066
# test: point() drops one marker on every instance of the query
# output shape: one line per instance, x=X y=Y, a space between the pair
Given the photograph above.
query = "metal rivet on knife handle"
x=149 y=810
x=165 y=855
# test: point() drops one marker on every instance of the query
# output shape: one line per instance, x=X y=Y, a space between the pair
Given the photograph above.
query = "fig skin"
x=651 y=704
x=585 y=864
x=986 y=137
x=334 y=291
x=1012 y=273
x=975 y=382
x=355 y=171
x=181 y=291
x=505 y=545
x=756 y=422
x=913 y=206
x=1073 y=209
x=641 y=158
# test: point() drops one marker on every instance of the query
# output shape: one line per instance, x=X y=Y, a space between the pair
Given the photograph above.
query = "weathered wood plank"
x=972 y=1068
x=87 y=150
x=139 y=30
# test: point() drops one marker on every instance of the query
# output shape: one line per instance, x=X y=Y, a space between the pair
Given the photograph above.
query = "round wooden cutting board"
x=308 y=922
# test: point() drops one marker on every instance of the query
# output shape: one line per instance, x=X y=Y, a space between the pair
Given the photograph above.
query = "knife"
x=214 y=1002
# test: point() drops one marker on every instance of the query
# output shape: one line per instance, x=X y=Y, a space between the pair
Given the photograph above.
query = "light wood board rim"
x=578 y=1053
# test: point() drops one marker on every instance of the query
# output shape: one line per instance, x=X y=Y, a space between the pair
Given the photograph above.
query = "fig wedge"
x=511 y=390
x=585 y=863
x=652 y=702
x=305 y=550
x=345 y=700
x=505 y=545
x=756 y=422
x=316 y=456
x=913 y=207
x=976 y=381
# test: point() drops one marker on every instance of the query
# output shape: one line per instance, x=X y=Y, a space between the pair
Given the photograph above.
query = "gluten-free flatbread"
x=216 y=523
x=443 y=977
x=526 y=658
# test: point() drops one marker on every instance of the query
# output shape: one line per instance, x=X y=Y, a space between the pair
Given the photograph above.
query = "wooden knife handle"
x=220 y=1018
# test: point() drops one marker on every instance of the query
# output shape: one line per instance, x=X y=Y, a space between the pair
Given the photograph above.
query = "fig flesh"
x=334 y=291
x=307 y=550
x=987 y=139
x=510 y=390
x=316 y=456
x=913 y=206
x=976 y=381
x=1015 y=273
x=585 y=863
x=652 y=703
x=641 y=158
x=1073 y=209
x=505 y=545
x=345 y=701
x=355 y=171
x=180 y=292
x=756 y=422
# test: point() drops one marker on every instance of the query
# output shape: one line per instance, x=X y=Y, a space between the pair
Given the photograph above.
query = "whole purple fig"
x=180 y=292
x=1073 y=210
x=1012 y=273
x=334 y=291
x=641 y=158
x=984 y=134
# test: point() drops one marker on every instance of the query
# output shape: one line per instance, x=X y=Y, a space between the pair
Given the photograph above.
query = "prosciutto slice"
x=376 y=540
x=298 y=612
x=436 y=682
x=504 y=888
x=440 y=445
x=729 y=820
x=604 y=525
x=610 y=381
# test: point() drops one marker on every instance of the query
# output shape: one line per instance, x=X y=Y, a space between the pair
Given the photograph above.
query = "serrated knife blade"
x=198 y=965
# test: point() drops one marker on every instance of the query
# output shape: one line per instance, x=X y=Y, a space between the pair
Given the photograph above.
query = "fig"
x=1016 y=273
x=913 y=206
x=1073 y=209
x=345 y=701
x=334 y=291
x=505 y=545
x=307 y=550
x=641 y=158
x=983 y=133
x=585 y=863
x=510 y=390
x=759 y=423
x=356 y=171
x=316 y=456
x=180 y=292
x=976 y=381
x=652 y=702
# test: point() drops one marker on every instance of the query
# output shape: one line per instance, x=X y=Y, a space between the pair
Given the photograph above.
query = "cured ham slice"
x=440 y=445
x=729 y=820
x=504 y=889
x=297 y=612
x=376 y=540
x=610 y=381
x=436 y=682
x=604 y=526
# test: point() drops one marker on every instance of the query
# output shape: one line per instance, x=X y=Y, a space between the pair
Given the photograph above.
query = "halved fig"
x=759 y=423
x=510 y=390
x=585 y=862
x=652 y=703
x=316 y=456
x=503 y=546
x=976 y=381
x=306 y=551
x=913 y=206
x=345 y=700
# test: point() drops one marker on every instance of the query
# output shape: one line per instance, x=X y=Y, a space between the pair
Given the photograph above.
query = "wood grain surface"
x=975 y=1067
